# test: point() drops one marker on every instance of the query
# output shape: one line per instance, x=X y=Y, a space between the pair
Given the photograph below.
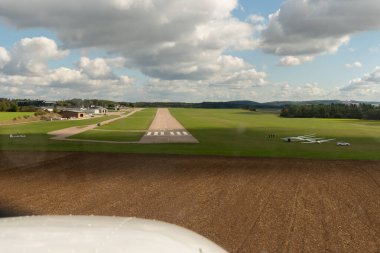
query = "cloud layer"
x=306 y=28
x=24 y=72
x=166 y=39
x=367 y=86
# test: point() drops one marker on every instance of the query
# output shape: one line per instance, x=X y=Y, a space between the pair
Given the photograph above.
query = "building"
x=72 y=114
x=96 y=110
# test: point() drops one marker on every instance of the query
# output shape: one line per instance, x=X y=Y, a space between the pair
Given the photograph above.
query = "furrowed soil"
x=243 y=204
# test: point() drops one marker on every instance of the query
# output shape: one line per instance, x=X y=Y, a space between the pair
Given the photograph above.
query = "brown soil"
x=243 y=204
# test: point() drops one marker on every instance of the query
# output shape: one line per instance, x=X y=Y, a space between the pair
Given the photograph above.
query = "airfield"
x=235 y=185
x=200 y=132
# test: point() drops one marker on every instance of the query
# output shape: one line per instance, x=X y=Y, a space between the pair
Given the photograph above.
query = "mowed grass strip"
x=239 y=132
x=120 y=136
x=43 y=127
x=138 y=121
x=5 y=116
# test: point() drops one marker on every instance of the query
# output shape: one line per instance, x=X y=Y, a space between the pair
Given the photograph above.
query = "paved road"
x=166 y=129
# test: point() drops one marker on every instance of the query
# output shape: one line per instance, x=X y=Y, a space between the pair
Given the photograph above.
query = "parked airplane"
x=17 y=136
x=315 y=141
x=307 y=139
x=298 y=138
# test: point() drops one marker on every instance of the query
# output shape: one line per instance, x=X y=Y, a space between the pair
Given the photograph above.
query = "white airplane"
x=298 y=138
x=307 y=139
x=317 y=141
x=17 y=136
x=90 y=234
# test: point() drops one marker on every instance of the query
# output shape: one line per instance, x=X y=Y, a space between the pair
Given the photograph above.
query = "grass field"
x=220 y=132
x=129 y=129
x=5 y=116
x=138 y=121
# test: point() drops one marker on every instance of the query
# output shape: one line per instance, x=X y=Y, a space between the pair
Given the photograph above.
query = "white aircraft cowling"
x=90 y=234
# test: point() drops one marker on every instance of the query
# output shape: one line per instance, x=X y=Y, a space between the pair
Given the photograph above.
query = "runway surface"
x=166 y=129
x=243 y=204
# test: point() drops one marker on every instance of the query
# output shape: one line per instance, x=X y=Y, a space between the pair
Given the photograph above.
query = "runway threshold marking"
x=155 y=133
x=185 y=133
x=149 y=133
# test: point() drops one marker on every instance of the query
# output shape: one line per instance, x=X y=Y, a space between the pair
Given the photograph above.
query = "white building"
x=96 y=110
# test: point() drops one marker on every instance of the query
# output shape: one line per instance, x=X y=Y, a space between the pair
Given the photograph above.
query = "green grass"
x=138 y=121
x=43 y=127
x=119 y=129
x=5 y=116
x=221 y=132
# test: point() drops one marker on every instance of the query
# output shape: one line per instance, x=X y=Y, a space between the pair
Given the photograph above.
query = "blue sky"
x=178 y=50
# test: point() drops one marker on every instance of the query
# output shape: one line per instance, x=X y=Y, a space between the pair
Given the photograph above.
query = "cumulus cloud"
x=24 y=72
x=294 y=61
x=171 y=39
x=233 y=78
x=31 y=55
x=4 y=57
x=354 y=65
x=313 y=27
x=309 y=91
x=367 y=87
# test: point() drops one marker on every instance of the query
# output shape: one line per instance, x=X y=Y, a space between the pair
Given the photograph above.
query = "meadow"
x=220 y=132
x=5 y=116
x=129 y=129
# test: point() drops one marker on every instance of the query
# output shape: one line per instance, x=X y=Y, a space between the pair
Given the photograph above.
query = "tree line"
x=351 y=111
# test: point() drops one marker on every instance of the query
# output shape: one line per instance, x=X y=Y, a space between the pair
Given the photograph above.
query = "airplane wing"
x=89 y=234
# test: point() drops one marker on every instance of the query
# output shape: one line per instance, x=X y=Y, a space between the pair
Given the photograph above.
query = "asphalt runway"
x=243 y=204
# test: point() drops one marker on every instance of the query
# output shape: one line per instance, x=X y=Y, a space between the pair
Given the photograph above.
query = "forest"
x=344 y=111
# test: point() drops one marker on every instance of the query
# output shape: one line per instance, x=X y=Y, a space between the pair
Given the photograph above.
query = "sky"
x=190 y=51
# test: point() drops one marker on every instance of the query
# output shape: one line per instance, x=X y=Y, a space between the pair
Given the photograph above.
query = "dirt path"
x=166 y=129
x=246 y=205
x=63 y=134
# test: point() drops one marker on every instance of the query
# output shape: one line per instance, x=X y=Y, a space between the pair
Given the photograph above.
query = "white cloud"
x=294 y=61
x=4 y=57
x=97 y=68
x=366 y=87
x=309 y=91
x=313 y=27
x=172 y=39
x=26 y=73
x=31 y=55
x=233 y=78
x=354 y=65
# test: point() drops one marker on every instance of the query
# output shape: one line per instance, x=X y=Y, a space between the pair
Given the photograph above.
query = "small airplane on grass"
x=17 y=136
x=306 y=139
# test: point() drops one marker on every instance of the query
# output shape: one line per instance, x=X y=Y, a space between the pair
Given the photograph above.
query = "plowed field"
x=243 y=204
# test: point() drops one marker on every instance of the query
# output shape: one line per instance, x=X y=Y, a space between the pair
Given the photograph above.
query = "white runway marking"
x=149 y=133
x=155 y=133
x=171 y=133
x=185 y=133
x=162 y=133
x=179 y=133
